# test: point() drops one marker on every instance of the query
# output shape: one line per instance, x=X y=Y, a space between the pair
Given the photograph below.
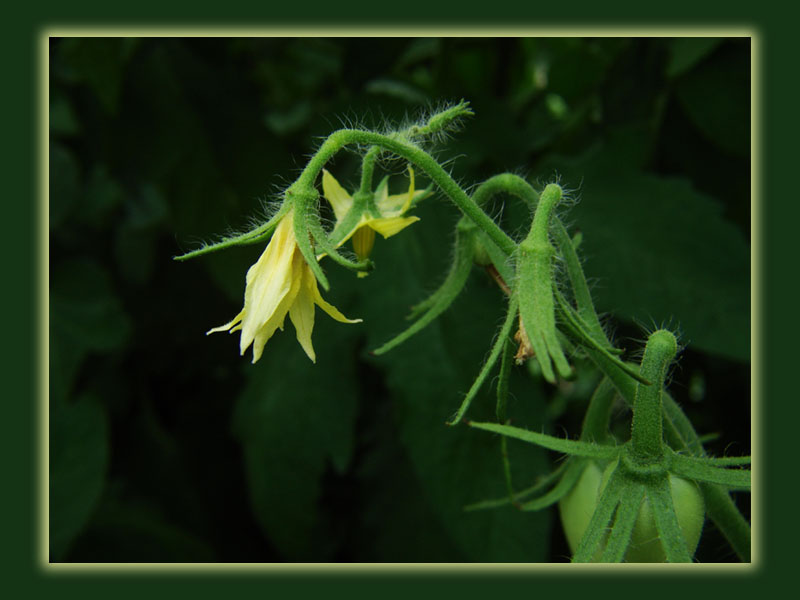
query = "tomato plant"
x=577 y=507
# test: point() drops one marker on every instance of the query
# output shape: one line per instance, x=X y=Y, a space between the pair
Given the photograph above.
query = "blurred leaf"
x=396 y=89
x=577 y=66
x=134 y=246
x=64 y=183
x=284 y=122
x=390 y=487
x=98 y=62
x=78 y=462
x=292 y=419
x=686 y=52
x=133 y=531
x=84 y=308
x=102 y=197
x=63 y=120
x=661 y=251
x=716 y=96
x=428 y=375
x=418 y=50
x=473 y=68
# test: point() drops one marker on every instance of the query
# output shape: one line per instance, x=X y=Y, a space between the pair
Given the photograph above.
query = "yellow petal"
x=302 y=313
x=410 y=197
x=398 y=204
x=334 y=193
x=328 y=308
x=391 y=206
x=392 y=225
x=268 y=281
x=364 y=220
x=228 y=326
x=277 y=318
x=363 y=242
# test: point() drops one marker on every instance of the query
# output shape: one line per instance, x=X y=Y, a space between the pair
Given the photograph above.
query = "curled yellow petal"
x=363 y=242
x=279 y=283
x=276 y=319
x=227 y=327
x=392 y=225
x=327 y=307
x=334 y=193
x=302 y=313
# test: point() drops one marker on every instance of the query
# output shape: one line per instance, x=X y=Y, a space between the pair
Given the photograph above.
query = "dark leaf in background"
x=98 y=63
x=64 y=183
x=292 y=419
x=427 y=377
x=85 y=309
x=135 y=531
x=78 y=462
x=685 y=53
x=159 y=144
x=716 y=96
x=661 y=252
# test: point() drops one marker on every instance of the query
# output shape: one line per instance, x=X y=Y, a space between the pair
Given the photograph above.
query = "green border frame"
x=32 y=549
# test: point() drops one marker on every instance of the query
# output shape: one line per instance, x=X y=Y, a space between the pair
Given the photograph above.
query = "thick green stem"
x=595 y=423
x=419 y=158
x=534 y=286
x=367 y=169
x=505 y=183
x=583 y=297
x=646 y=433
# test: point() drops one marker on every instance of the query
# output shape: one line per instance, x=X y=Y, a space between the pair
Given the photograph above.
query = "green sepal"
x=699 y=470
x=562 y=488
x=598 y=525
x=498 y=346
x=302 y=234
x=542 y=483
x=580 y=332
x=321 y=239
x=580 y=289
x=659 y=494
x=442 y=298
x=565 y=446
x=627 y=513
x=254 y=236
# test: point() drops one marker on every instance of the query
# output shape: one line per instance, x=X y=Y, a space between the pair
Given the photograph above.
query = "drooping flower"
x=280 y=282
x=390 y=218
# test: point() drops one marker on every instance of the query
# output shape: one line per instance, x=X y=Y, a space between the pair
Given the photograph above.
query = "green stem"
x=727 y=518
x=506 y=183
x=583 y=297
x=421 y=159
x=646 y=432
x=367 y=169
x=598 y=414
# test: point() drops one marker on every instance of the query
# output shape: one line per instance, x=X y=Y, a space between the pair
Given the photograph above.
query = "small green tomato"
x=577 y=507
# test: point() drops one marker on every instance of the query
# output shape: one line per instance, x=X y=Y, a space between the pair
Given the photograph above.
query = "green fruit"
x=577 y=507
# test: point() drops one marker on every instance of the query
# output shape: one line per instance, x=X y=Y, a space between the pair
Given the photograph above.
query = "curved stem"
x=421 y=159
x=506 y=183
x=647 y=431
x=367 y=169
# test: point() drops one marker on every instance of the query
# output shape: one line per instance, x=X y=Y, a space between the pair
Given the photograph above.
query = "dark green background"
x=167 y=446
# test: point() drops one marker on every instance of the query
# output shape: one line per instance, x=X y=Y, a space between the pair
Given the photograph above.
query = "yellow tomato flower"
x=390 y=208
x=280 y=282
